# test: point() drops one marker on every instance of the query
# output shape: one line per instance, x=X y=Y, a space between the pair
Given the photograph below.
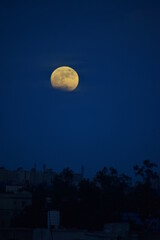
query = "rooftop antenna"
x=82 y=171
x=35 y=165
x=44 y=167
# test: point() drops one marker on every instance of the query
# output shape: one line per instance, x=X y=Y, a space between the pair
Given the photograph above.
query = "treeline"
x=92 y=203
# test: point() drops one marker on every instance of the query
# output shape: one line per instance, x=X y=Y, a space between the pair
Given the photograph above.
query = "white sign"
x=53 y=218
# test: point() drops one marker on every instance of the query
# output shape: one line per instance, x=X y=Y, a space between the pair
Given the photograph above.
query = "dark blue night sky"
x=113 y=118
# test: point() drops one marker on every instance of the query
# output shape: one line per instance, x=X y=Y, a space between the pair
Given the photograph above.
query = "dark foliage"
x=92 y=203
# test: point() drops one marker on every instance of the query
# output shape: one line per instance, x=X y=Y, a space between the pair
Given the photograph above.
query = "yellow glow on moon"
x=64 y=78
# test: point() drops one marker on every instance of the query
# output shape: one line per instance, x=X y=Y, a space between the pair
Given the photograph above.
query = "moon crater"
x=64 y=78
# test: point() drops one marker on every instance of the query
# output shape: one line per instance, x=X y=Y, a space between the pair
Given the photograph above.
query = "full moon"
x=64 y=78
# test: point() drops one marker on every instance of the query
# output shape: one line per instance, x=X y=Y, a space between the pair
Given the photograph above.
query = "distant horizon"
x=89 y=175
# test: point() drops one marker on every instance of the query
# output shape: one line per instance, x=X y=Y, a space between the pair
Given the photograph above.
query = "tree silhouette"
x=145 y=196
x=146 y=171
x=93 y=202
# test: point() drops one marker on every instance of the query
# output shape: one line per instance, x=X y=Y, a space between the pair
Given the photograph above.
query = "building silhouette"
x=32 y=177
